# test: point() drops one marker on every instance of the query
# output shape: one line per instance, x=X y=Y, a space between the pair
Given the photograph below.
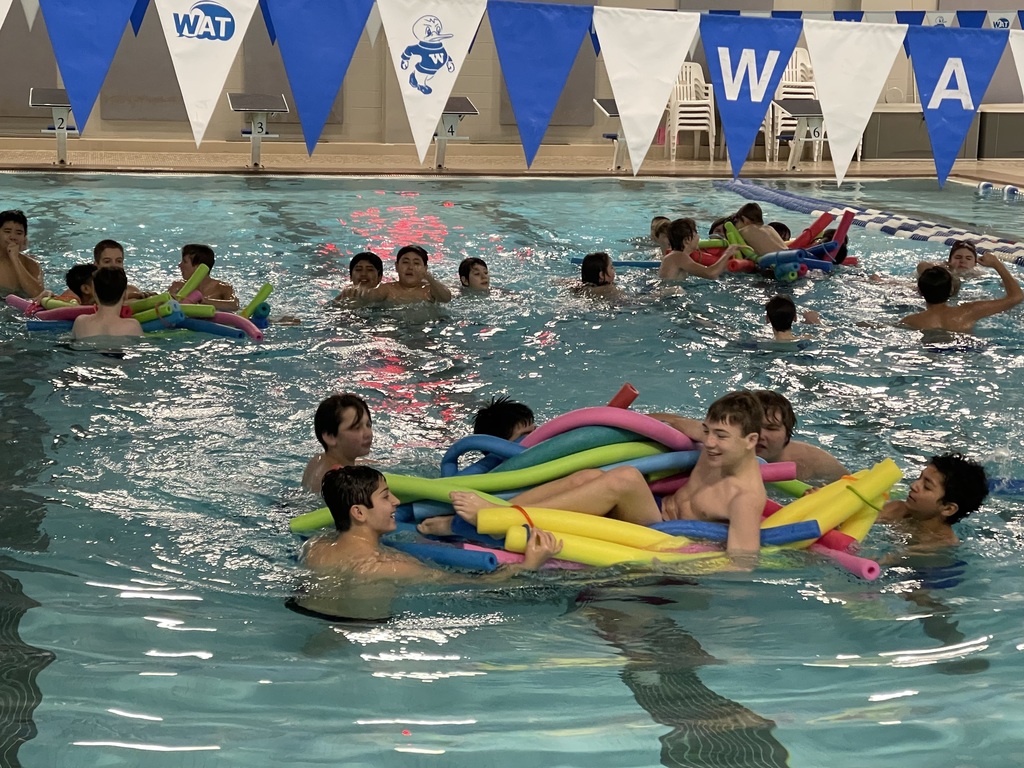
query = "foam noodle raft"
x=581 y=549
x=611 y=417
x=499 y=519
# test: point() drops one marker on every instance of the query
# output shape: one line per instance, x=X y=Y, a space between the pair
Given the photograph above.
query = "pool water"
x=146 y=559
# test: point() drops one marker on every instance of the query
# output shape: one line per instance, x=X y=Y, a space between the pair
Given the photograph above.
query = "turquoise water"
x=146 y=557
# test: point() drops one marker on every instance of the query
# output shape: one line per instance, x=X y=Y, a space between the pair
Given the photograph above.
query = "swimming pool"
x=146 y=559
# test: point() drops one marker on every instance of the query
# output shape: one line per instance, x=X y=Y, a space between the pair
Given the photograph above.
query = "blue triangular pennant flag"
x=953 y=68
x=787 y=14
x=269 y=21
x=971 y=19
x=746 y=60
x=848 y=15
x=911 y=18
x=594 y=41
x=317 y=40
x=138 y=14
x=537 y=46
x=85 y=37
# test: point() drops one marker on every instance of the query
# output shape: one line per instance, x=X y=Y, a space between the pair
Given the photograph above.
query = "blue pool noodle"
x=481 y=443
x=443 y=554
x=636 y=263
x=205 y=326
x=54 y=326
x=804 y=530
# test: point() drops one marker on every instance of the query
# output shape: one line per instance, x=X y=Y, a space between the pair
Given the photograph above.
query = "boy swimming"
x=217 y=293
x=110 y=286
x=344 y=429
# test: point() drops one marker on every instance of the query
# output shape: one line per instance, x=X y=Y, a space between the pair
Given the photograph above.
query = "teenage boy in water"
x=110 y=254
x=724 y=486
x=936 y=286
x=363 y=509
x=19 y=273
x=679 y=262
x=474 y=276
x=781 y=312
x=109 y=286
x=504 y=418
x=950 y=488
x=414 y=284
x=365 y=271
x=343 y=427
x=217 y=293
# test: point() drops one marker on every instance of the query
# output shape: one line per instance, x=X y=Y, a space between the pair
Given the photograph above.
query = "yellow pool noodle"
x=601 y=554
x=262 y=295
x=51 y=303
x=498 y=520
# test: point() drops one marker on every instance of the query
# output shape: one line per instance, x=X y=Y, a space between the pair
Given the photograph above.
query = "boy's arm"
x=709 y=273
x=438 y=290
x=26 y=270
x=1014 y=295
x=692 y=428
x=745 y=523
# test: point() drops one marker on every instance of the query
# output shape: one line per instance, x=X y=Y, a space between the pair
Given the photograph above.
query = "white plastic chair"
x=691 y=108
x=797 y=83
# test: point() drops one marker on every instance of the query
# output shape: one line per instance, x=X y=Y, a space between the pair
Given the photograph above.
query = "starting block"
x=260 y=107
x=456 y=108
x=611 y=109
x=55 y=99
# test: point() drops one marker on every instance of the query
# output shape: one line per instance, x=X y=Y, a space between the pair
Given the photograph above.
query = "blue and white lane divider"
x=870 y=218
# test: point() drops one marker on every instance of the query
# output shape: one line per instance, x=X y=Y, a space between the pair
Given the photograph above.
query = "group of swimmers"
x=101 y=283
x=725 y=485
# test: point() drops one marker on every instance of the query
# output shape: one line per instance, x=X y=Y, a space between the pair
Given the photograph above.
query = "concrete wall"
x=140 y=98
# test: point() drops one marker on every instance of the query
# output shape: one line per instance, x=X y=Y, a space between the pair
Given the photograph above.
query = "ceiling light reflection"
x=143 y=747
x=135 y=716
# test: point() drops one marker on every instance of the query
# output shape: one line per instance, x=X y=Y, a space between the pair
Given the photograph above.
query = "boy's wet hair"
x=777 y=407
x=935 y=285
x=417 y=249
x=661 y=228
x=109 y=285
x=741 y=409
x=345 y=487
x=752 y=212
x=466 y=266
x=679 y=231
x=198 y=254
x=77 y=276
x=502 y=417
x=964 y=484
x=370 y=257
x=781 y=312
x=781 y=228
x=102 y=245
x=15 y=216
x=327 y=419
x=718 y=223
x=592 y=267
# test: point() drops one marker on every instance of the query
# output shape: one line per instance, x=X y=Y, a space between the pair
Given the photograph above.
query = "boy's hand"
x=988 y=259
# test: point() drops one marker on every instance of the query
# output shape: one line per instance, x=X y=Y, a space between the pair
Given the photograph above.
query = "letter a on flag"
x=746 y=58
x=953 y=68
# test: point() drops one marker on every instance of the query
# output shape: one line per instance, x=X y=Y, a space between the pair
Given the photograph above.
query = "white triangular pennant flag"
x=373 y=24
x=643 y=52
x=939 y=18
x=1017 y=46
x=203 y=39
x=757 y=14
x=817 y=16
x=1000 y=19
x=428 y=43
x=848 y=80
x=5 y=7
x=31 y=11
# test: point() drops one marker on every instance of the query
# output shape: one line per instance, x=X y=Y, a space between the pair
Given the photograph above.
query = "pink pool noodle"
x=610 y=417
x=64 y=313
x=741 y=265
x=770 y=508
x=770 y=473
x=838 y=541
x=19 y=303
x=508 y=558
x=237 y=321
x=858 y=566
x=624 y=397
x=844 y=225
x=193 y=298
x=806 y=237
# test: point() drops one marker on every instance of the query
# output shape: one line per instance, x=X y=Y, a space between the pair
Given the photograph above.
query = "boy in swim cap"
x=948 y=489
x=343 y=427
x=217 y=293
x=365 y=270
x=109 y=285
x=936 y=286
x=414 y=284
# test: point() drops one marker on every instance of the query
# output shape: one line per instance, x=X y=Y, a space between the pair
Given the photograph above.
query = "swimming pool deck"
x=462 y=159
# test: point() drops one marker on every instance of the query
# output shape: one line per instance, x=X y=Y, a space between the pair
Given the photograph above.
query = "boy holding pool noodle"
x=948 y=489
x=679 y=262
x=216 y=293
x=110 y=286
x=749 y=220
x=724 y=486
x=343 y=426
x=363 y=509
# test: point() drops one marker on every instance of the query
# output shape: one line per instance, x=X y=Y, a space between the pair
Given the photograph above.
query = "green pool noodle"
x=261 y=296
x=141 y=305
